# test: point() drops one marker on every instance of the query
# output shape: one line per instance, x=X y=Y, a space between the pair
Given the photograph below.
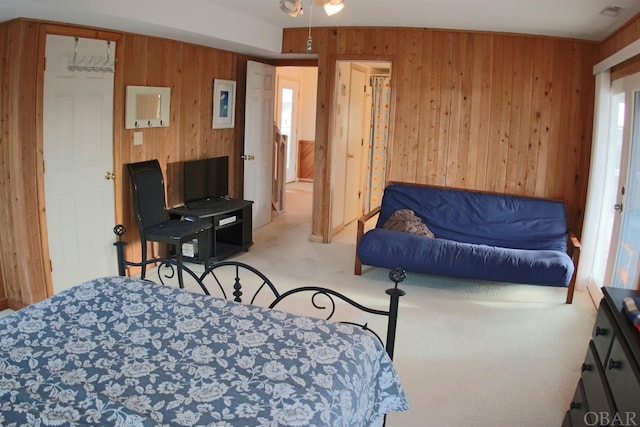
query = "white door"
x=259 y=140
x=623 y=271
x=610 y=184
x=287 y=119
x=78 y=153
x=355 y=143
x=626 y=273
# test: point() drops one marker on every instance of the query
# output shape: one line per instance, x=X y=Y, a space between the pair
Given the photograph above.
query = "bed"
x=129 y=352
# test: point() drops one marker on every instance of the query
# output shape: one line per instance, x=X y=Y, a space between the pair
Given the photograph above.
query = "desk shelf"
x=227 y=238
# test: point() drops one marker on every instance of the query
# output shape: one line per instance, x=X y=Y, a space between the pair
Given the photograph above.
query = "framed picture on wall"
x=224 y=103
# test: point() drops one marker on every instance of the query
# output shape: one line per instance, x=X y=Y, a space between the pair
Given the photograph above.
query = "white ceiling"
x=255 y=26
x=565 y=18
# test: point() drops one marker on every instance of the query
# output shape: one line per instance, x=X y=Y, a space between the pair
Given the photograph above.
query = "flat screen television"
x=206 y=179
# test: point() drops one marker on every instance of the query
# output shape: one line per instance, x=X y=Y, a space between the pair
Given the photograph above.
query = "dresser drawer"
x=624 y=379
x=602 y=334
x=596 y=392
x=575 y=416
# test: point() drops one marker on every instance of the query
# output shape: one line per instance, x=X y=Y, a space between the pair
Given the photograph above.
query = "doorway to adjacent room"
x=360 y=139
x=618 y=235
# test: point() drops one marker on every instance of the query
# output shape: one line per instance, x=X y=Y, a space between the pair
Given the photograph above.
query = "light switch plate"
x=137 y=138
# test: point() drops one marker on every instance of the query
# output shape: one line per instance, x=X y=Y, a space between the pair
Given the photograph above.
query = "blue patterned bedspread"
x=124 y=352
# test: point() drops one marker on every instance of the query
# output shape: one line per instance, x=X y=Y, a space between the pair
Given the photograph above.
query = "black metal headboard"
x=236 y=279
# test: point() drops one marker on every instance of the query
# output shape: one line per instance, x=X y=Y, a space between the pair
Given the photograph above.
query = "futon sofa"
x=470 y=234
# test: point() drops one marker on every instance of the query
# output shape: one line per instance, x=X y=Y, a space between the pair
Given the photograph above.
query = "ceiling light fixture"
x=294 y=7
x=291 y=7
x=331 y=7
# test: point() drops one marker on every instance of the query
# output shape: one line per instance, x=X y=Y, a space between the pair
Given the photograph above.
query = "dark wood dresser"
x=608 y=392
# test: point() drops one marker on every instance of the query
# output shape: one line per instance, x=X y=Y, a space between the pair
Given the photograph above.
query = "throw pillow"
x=407 y=221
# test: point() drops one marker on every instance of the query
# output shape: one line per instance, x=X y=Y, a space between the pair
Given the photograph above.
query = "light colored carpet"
x=468 y=353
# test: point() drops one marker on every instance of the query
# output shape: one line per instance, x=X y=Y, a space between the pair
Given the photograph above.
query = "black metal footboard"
x=246 y=284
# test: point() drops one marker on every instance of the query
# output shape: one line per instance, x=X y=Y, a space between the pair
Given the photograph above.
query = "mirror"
x=147 y=107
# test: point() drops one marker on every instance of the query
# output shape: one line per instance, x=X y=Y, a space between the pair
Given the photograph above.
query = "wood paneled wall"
x=21 y=254
x=627 y=34
x=622 y=37
x=188 y=69
x=494 y=112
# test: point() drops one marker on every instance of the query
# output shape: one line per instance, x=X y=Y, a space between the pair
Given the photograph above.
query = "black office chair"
x=154 y=222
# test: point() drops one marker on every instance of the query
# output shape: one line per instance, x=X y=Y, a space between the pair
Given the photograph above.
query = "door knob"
x=109 y=175
x=247 y=157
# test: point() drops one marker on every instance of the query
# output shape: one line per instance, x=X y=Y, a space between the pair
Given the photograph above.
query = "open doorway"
x=295 y=119
x=619 y=245
x=360 y=139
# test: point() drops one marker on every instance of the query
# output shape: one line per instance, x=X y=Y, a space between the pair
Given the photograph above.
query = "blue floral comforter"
x=125 y=352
